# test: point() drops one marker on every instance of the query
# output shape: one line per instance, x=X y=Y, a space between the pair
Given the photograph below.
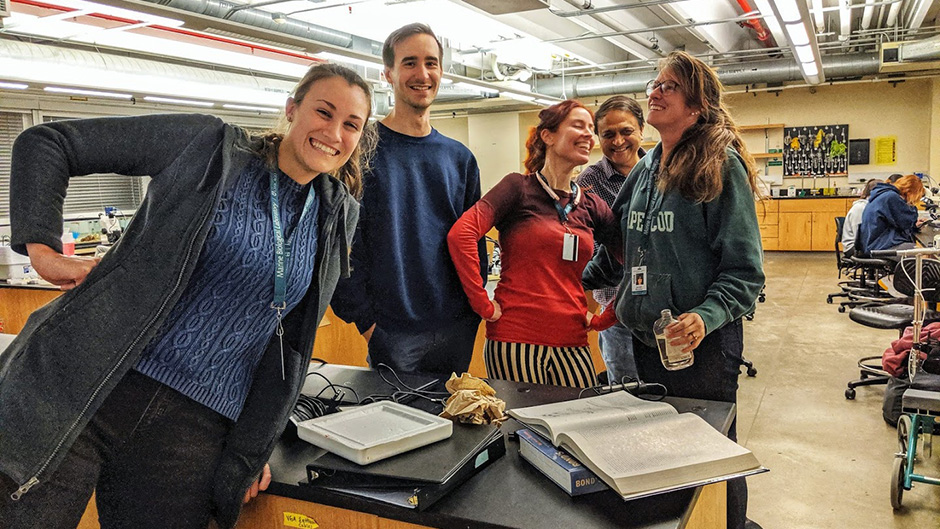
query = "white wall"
x=493 y=142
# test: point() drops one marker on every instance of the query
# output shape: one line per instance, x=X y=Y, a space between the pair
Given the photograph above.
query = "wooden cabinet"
x=767 y=221
x=796 y=231
x=17 y=303
x=801 y=224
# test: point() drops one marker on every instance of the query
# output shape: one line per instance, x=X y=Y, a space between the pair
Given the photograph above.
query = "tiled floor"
x=830 y=458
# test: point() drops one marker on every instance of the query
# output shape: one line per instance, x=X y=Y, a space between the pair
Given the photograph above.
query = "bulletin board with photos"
x=816 y=151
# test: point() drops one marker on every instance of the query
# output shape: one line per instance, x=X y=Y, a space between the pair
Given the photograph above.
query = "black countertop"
x=510 y=493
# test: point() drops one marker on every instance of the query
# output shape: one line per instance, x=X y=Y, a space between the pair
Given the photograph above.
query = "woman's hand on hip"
x=688 y=331
x=65 y=271
x=260 y=484
x=497 y=311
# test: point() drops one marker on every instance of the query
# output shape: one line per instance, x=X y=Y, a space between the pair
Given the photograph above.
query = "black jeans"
x=443 y=351
x=149 y=453
x=712 y=376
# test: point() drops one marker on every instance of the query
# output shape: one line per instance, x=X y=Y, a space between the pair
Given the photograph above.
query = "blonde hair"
x=267 y=145
x=693 y=168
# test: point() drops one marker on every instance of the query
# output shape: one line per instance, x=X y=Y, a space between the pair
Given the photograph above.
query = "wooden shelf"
x=761 y=127
x=765 y=155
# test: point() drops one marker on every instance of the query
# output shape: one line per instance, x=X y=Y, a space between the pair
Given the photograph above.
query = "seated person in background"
x=854 y=217
x=537 y=325
x=889 y=220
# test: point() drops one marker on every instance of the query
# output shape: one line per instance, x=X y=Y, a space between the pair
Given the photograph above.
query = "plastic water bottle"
x=68 y=243
x=671 y=356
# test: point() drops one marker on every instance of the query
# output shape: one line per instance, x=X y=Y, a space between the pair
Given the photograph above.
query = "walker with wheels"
x=920 y=409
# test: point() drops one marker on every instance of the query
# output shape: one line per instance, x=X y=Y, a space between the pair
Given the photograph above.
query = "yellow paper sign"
x=300 y=521
x=886 y=150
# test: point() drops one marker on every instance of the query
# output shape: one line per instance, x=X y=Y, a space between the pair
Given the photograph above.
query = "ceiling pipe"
x=607 y=9
x=845 y=20
x=818 y=16
x=774 y=71
x=763 y=34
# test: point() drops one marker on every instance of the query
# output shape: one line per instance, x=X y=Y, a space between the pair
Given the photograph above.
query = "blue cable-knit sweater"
x=211 y=342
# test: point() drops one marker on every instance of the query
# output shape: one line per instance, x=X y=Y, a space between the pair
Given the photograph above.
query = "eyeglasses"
x=667 y=87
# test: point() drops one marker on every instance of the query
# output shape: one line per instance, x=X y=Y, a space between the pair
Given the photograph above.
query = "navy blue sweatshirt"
x=402 y=276
x=888 y=220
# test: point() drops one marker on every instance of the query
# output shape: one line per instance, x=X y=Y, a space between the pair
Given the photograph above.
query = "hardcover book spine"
x=558 y=465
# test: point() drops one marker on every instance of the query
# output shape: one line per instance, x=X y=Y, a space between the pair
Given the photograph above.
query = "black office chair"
x=866 y=273
x=897 y=315
x=844 y=266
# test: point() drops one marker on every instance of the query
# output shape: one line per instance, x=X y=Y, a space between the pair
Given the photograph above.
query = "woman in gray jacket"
x=162 y=379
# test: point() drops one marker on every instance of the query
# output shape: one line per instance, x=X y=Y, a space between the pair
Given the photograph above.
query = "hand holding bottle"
x=688 y=331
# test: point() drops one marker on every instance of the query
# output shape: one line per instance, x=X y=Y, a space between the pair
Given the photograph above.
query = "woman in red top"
x=537 y=324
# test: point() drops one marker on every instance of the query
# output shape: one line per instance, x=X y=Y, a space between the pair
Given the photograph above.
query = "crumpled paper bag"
x=472 y=401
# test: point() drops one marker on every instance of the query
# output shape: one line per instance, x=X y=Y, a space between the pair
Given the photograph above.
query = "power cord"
x=653 y=391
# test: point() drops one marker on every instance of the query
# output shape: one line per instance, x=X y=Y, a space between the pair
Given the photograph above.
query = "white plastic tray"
x=375 y=431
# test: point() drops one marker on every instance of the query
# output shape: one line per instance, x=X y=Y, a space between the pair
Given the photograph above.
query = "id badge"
x=569 y=247
x=638 y=280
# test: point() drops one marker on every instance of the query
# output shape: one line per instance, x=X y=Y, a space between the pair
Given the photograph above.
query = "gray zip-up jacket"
x=74 y=350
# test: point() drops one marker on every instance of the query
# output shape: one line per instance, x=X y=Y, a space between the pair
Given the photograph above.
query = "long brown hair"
x=693 y=168
x=549 y=119
x=267 y=145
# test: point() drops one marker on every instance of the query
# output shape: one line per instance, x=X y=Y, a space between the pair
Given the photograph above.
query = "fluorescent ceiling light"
x=334 y=57
x=798 y=34
x=484 y=89
x=92 y=7
x=152 y=45
x=518 y=97
x=809 y=69
x=545 y=102
x=788 y=10
x=90 y=93
x=156 y=99
x=804 y=54
x=14 y=86
x=251 y=108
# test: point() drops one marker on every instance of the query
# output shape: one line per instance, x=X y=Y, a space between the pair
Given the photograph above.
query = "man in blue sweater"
x=404 y=294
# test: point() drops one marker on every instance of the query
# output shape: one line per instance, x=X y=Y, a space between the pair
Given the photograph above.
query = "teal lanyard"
x=572 y=203
x=282 y=247
x=282 y=250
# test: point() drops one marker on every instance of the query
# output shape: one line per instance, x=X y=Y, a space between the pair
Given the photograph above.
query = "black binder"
x=418 y=478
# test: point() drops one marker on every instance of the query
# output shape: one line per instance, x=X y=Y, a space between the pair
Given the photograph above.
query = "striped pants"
x=540 y=364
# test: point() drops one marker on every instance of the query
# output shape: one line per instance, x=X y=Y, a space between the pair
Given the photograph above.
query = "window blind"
x=11 y=124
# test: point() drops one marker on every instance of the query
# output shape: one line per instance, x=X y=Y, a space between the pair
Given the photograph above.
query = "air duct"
x=777 y=71
x=265 y=20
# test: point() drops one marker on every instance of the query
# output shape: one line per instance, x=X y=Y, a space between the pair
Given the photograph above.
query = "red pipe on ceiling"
x=763 y=34
x=189 y=33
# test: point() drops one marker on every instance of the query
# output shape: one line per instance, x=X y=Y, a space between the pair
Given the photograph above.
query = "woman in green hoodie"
x=690 y=232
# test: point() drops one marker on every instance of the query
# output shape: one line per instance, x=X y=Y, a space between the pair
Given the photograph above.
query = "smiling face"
x=620 y=137
x=325 y=128
x=416 y=75
x=669 y=113
x=574 y=138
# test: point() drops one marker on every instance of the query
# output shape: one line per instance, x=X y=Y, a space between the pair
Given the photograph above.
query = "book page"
x=619 y=408
x=657 y=454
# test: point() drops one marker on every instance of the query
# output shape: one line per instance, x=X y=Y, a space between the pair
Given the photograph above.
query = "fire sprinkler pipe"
x=189 y=33
x=763 y=34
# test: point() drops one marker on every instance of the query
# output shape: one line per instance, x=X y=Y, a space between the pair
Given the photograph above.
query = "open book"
x=638 y=447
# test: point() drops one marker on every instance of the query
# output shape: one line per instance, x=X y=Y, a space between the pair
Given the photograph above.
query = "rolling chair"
x=866 y=272
x=897 y=315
